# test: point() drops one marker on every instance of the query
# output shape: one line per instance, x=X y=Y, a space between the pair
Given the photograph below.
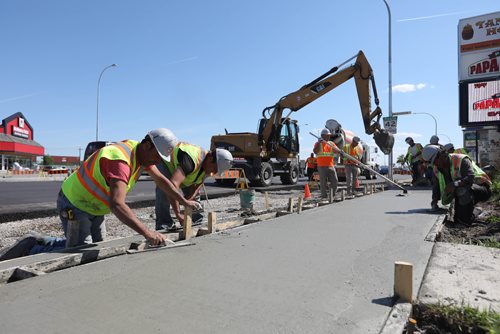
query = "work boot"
x=20 y=248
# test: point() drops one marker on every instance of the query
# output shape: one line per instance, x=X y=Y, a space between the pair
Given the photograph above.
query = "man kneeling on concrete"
x=188 y=168
x=99 y=187
x=459 y=179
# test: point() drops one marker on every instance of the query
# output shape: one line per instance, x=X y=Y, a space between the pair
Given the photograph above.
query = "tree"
x=47 y=160
x=401 y=159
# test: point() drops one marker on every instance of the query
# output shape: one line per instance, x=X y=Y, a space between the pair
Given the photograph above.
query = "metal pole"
x=97 y=115
x=390 y=82
x=435 y=121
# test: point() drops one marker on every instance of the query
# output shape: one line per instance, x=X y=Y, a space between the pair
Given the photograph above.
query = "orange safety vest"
x=325 y=155
x=355 y=152
x=311 y=162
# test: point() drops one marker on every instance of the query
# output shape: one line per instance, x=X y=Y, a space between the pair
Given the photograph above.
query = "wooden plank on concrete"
x=187 y=230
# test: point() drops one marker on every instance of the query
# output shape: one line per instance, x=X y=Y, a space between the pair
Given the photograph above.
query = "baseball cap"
x=164 y=141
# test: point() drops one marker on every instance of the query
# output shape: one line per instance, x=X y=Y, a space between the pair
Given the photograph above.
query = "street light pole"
x=390 y=82
x=435 y=121
x=97 y=115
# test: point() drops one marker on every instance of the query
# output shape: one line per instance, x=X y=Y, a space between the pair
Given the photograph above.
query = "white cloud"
x=431 y=16
x=406 y=88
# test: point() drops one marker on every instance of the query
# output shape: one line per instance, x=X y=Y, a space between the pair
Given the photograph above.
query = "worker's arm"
x=169 y=188
x=316 y=148
x=177 y=178
x=117 y=193
x=467 y=173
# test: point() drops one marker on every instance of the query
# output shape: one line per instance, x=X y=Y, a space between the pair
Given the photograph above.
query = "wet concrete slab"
x=327 y=270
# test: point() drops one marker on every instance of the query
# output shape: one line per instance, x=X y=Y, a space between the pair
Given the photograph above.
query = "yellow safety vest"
x=197 y=155
x=87 y=189
x=480 y=177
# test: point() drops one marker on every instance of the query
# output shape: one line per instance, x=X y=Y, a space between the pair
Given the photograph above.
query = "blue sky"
x=198 y=67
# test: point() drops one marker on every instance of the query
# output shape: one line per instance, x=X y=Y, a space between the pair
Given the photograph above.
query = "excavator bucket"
x=384 y=140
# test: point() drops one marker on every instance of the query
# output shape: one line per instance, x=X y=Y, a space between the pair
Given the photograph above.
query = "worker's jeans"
x=164 y=219
x=466 y=198
x=351 y=175
x=415 y=175
x=91 y=228
x=327 y=178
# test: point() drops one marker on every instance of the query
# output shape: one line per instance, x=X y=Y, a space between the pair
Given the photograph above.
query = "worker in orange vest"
x=351 y=167
x=324 y=150
x=311 y=166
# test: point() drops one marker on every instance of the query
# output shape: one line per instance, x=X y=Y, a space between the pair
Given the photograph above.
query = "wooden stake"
x=299 y=205
x=342 y=195
x=188 y=222
x=212 y=220
x=290 y=205
x=365 y=190
x=330 y=195
x=403 y=280
x=266 y=200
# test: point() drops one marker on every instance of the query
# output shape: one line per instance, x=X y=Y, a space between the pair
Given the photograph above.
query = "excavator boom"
x=363 y=76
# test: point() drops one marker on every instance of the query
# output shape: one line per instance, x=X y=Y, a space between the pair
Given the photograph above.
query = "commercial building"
x=17 y=143
x=479 y=86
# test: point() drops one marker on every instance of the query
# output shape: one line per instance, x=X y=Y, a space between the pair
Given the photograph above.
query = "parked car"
x=94 y=146
x=384 y=170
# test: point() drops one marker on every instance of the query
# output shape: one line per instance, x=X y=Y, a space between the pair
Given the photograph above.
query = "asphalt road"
x=24 y=196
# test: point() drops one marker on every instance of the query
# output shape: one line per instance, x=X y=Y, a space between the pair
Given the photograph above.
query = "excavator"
x=274 y=149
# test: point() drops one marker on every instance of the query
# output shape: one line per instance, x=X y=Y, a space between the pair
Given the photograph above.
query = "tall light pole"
x=390 y=82
x=435 y=121
x=97 y=116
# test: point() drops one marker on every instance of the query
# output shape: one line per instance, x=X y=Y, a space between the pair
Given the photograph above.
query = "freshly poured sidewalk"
x=327 y=270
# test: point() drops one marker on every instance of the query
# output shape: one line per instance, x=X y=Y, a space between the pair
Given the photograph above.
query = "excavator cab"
x=286 y=135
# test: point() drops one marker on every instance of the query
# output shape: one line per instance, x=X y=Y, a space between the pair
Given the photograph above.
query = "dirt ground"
x=485 y=228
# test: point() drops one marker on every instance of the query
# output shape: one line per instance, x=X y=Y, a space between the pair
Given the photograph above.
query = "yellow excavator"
x=273 y=151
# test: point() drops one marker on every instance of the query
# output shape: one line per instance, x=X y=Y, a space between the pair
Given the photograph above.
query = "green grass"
x=455 y=319
x=495 y=187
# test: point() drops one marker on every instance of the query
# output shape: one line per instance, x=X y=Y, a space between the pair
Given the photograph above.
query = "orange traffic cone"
x=307 y=192
x=357 y=183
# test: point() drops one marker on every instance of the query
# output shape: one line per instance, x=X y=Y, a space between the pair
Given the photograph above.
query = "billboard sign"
x=479 y=46
x=480 y=102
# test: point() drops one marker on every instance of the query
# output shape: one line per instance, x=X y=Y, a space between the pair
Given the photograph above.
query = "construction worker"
x=351 y=167
x=101 y=184
x=311 y=166
x=412 y=157
x=187 y=170
x=449 y=148
x=459 y=179
x=324 y=150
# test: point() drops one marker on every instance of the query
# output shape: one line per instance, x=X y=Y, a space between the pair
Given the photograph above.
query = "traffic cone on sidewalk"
x=307 y=192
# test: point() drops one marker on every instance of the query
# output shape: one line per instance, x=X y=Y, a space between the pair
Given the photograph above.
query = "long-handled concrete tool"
x=362 y=165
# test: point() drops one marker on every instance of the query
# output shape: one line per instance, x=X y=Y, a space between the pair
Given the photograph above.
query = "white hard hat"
x=356 y=139
x=325 y=132
x=333 y=125
x=430 y=152
x=448 y=147
x=434 y=140
x=224 y=160
x=164 y=141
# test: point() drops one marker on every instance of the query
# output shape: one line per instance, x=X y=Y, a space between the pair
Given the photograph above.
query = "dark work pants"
x=464 y=205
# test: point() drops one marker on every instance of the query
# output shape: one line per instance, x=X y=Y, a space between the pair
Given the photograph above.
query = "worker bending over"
x=412 y=157
x=101 y=184
x=459 y=179
x=187 y=169
x=324 y=150
x=351 y=167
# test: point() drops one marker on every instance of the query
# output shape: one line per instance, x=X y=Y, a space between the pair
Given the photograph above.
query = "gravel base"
x=227 y=208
